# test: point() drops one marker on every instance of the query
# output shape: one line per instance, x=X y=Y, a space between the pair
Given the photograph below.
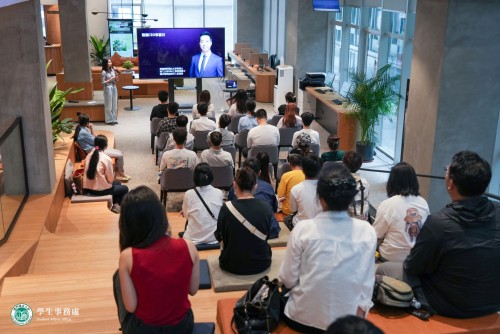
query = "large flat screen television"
x=326 y=5
x=181 y=52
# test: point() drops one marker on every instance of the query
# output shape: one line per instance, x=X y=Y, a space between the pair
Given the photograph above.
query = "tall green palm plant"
x=100 y=49
x=370 y=99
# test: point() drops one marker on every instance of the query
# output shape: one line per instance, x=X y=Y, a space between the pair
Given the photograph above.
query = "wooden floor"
x=72 y=269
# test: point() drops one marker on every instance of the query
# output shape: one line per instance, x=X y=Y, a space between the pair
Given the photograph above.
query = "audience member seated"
x=168 y=124
x=204 y=98
x=227 y=136
x=200 y=223
x=302 y=196
x=263 y=133
x=290 y=119
x=351 y=324
x=140 y=285
x=84 y=135
x=330 y=253
x=203 y=123
x=98 y=176
x=179 y=157
x=181 y=122
x=303 y=145
x=400 y=217
x=248 y=121
x=307 y=119
x=161 y=109
x=361 y=206
x=215 y=156
x=289 y=180
x=264 y=192
x=245 y=249
x=334 y=154
x=453 y=266
x=289 y=98
x=238 y=103
x=264 y=173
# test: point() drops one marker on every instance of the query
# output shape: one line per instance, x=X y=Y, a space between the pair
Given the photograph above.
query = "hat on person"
x=303 y=140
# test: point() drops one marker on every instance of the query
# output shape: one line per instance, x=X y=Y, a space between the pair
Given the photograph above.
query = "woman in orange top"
x=98 y=178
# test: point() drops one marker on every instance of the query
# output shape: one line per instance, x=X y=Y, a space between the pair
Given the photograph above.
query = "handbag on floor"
x=77 y=184
x=392 y=292
x=258 y=311
x=288 y=221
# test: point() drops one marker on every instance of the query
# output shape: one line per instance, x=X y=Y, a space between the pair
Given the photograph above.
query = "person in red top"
x=156 y=272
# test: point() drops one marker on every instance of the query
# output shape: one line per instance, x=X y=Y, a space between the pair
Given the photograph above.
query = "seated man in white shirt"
x=215 y=156
x=303 y=199
x=307 y=119
x=203 y=123
x=179 y=157
x=263 y=133
x=181 y=121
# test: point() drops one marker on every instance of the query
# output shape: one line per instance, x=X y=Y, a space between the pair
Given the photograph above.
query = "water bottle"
x=415 y=303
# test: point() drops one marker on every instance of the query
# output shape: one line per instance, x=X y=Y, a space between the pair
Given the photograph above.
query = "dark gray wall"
x=23 y=89
x=454 y=95
x=250 y=22
x=75 y=40
x=306 y=38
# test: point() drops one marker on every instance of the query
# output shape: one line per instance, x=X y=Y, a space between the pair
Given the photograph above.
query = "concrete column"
x=306 y=34
x=75 y=40
x=250 y=22
x=23 y=89
x=454 y=98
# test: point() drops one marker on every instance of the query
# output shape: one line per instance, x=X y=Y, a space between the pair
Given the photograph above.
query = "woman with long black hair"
x=99 y=176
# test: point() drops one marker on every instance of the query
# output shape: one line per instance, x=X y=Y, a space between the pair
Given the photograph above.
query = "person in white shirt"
x=401 y=216
x=329 y=259
x=248 y=121
x=200 y=224
x=263 y=133
x=303 y=199
x=238 y=103
x=215 y=156
x=203 y=123
x=204 y=98
x=227 y=136
x=181 y=121
x=179 y=157
x=307 y=119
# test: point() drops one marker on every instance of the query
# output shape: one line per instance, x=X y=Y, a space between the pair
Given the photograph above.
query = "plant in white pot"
x=371 y=99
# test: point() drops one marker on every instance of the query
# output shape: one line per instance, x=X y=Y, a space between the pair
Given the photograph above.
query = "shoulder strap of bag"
x=245 y=222
x=205 y=204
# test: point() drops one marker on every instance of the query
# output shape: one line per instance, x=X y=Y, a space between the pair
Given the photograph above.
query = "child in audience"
x=200 y=223
x=329 y=259
x=98 y=176
x=153 y=298
x=334 y=154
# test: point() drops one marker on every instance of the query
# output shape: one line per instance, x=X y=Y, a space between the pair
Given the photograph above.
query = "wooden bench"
x=94 y=110
x=149 y=87
x=389 y=320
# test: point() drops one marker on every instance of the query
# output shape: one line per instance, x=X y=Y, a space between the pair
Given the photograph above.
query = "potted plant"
x=100 y=49
x=370 y=99
x=127 y=65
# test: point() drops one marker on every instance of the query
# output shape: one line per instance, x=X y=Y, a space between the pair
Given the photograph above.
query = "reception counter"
x=334 y=118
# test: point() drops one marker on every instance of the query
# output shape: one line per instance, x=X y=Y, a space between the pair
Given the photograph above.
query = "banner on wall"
x=121 y=38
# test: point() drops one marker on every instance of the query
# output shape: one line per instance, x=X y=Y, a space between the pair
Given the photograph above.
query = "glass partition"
x=13 y=177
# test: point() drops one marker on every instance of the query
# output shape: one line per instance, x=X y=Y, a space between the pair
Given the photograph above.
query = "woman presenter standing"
x=109 y=78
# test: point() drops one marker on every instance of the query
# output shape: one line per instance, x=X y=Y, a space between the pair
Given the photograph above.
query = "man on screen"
x=206 y=64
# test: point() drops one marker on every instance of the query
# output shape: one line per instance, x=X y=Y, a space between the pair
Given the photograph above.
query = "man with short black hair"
x=263 y=133
x=160 y=110
x=179 y=157
x=307 y=119
x=215 y=156
x=454 y=266
x=203 y=123
x=168 y=124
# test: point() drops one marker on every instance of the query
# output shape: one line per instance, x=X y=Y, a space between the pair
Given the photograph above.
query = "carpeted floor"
x=132 y=136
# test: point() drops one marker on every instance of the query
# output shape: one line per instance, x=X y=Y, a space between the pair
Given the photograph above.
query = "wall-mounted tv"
x=121 y=38
x=181 y=52
x=326 y=5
